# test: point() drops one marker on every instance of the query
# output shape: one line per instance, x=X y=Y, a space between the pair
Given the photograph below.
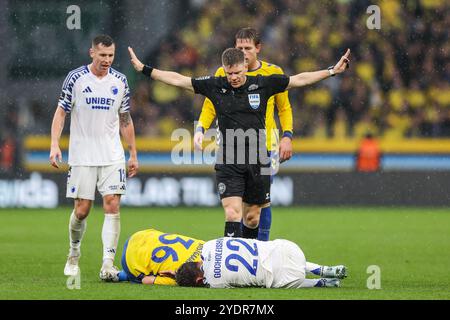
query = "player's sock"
x=123 y=276
x=265 y=221
x=110 y=237
x=311 y=283
x=249 y=233
x=233 y=229
x=315 y=269
x=76 y=231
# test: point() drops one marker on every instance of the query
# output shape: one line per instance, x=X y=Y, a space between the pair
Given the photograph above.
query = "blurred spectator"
x=9 y=142
x=7 y=152
x=368 y=157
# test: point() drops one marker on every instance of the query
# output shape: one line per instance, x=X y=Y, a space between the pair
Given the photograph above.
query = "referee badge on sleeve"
x=254 y=100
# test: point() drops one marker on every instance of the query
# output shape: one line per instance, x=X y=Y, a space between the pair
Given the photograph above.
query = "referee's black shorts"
x=247 y=181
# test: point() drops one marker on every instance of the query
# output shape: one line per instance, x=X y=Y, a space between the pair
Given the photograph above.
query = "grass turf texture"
x=410 y=245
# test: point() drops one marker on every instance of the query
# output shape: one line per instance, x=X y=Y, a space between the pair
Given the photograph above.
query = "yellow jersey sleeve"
x=284 y=109
x=208 y=113
x=165 y=281
x=149 y=252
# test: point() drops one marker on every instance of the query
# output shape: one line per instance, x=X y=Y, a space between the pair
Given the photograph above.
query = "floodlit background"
x=397 y=89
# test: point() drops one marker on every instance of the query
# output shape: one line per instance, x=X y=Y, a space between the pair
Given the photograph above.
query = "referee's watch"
x=331 y=71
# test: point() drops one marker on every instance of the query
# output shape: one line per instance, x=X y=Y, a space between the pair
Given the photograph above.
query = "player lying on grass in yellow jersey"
x=148 y=253
x=152 y=257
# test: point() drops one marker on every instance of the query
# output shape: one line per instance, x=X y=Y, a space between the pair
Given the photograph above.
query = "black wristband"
x=147 y=70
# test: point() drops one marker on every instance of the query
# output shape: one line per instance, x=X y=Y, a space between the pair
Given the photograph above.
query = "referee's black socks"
x=233 y=229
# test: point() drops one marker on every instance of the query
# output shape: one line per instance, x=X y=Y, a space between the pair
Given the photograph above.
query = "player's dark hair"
x=104 y=39
x=232 y=56
x=248 y=33
x=187 y=274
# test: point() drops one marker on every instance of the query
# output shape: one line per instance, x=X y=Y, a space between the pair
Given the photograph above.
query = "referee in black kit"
x=242 y=165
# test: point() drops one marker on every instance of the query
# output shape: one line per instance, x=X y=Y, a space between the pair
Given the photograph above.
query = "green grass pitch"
x=410 y=245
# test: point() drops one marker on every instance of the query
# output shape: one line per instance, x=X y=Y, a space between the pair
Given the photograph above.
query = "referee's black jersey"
x=241 y=108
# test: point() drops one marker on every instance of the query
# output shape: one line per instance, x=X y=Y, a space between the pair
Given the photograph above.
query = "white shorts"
x=82 y=181
x=289 y=265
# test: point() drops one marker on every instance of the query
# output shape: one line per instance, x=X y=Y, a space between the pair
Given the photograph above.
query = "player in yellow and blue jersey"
x=148 y=253
x=248 y=41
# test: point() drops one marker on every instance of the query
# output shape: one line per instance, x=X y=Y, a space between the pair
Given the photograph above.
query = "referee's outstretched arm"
x=307 y=78
x=168 y=77
x=298 y=80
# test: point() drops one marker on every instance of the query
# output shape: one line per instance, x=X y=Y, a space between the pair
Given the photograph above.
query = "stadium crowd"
x=399 y=81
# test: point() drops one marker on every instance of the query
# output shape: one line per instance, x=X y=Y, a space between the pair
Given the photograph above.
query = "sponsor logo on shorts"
x=113 y=187
x=73 y=189
x=222 y=187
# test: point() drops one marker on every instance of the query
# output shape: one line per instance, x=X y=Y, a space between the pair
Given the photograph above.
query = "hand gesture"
x=198 y=140
x=133 y=167
x=167 y=273
x=55 y=156
x=343 y=64
x=285 y=149
x=137 y=64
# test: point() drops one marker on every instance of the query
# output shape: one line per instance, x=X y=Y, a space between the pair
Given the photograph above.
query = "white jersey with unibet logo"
x=238 y=262
x=94 y=105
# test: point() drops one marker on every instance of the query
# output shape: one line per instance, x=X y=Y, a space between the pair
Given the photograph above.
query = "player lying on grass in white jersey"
x=237 y=262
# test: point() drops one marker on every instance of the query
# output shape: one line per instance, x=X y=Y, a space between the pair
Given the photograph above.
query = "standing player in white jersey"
x=239 y=262
x=97 y=98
